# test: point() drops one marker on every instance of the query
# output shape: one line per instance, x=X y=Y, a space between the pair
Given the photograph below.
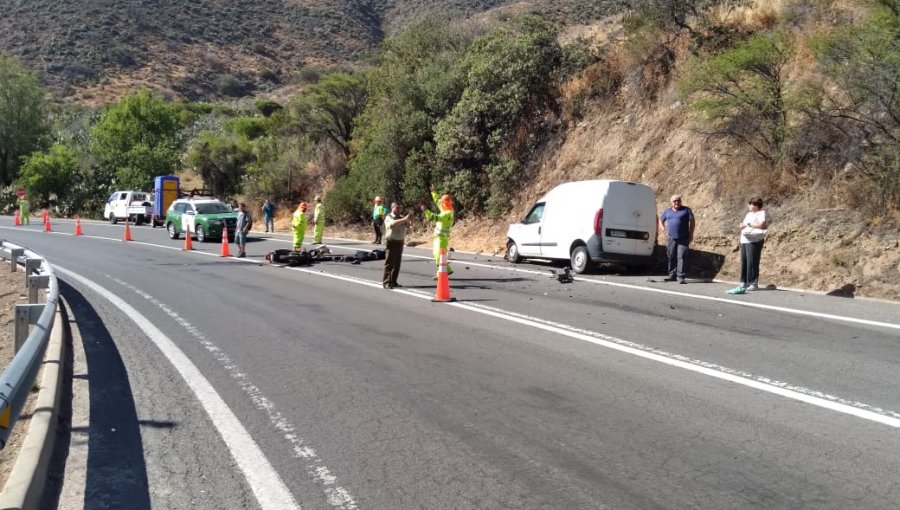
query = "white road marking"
x=775 y=387
x=335 y=495
x=784 y=309
x=267 y=485
x=761 y=306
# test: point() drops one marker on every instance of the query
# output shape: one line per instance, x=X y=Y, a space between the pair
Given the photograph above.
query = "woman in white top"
x=753 y=235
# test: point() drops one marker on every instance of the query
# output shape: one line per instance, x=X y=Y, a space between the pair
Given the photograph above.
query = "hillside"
x=92 y=51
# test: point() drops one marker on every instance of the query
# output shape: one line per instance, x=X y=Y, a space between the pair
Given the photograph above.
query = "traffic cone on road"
x=17 y=221
x=47 y=227
x=45 y=216
x=442 y=292
x=127 y=230
x=78 y=231
x=226 y=250
x=188 y=245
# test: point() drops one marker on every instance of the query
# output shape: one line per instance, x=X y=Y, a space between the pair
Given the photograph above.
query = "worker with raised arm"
x=443 y=223
x=298 y=224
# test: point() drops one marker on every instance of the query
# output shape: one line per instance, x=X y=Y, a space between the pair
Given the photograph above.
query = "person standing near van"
x=753 y=227
x=395 y=235
x=378 y=213
x=678 y=223
x=268 y=210
x=318 y=220
x=443 y=223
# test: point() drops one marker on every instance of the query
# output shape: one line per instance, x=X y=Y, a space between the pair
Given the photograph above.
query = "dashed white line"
x=775 y=387
x=263 y=479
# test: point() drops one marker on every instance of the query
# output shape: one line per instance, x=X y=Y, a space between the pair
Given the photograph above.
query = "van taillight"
x=598 y=222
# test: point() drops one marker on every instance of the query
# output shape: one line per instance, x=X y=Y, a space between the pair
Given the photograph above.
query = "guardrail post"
x=33 y=283
x=26 y=315
x=32 y=266
x=14 y=255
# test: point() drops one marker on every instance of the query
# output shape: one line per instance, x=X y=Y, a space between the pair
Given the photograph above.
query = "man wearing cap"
x=318 y=220
x=298 y=223
x=379 y=211
x=395 y=234
x=443 y=222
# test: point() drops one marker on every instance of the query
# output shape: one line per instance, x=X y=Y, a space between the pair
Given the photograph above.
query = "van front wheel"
x=512 y=252
x=581 y=259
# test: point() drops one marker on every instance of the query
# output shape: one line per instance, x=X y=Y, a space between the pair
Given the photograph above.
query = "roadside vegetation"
x=804 y=92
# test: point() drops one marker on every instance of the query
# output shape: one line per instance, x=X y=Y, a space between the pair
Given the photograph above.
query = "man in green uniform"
x=298 y=223
x=318 y=220
x=443 y=222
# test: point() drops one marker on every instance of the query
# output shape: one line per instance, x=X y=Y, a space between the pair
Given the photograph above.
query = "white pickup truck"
x=137 y=206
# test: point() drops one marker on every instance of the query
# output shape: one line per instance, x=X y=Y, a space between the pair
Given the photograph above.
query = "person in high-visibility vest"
x=298 y=223
x=443 y=222
x=24 y=210
x=379 y=211
x=318 y=220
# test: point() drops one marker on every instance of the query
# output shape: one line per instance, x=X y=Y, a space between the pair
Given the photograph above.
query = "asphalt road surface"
x=224 y=383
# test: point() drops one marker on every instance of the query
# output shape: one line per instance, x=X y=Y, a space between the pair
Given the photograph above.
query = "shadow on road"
x=116 y=474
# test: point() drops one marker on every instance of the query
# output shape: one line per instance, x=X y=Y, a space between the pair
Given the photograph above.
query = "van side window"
x=535 y=215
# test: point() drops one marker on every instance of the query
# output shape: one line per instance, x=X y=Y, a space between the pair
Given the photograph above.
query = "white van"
x=588 y=222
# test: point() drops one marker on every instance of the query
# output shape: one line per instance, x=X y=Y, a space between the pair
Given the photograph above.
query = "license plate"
x=616 y=233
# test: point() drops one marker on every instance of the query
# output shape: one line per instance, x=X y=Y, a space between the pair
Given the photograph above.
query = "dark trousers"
x=376 y=224
x=677 y=250
x=750 y=255
x=392 y=258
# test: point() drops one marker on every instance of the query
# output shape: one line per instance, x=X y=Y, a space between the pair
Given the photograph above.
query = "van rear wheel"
x=581 y=259
x=512 y=252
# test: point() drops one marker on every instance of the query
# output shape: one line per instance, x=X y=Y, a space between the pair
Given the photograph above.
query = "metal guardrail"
x=18 y=377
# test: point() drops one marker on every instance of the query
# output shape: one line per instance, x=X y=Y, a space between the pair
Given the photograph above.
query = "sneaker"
x=669 y=279
x=396 y=285
x=682 y=281
x=753 y=286
x=737 y=290
x=387 y=286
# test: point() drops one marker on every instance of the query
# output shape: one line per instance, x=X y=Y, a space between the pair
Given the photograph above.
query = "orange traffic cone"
x=127 y=230
x=188 y=245
x=442 y=293
x=226 y=250
x=47 y=225
x=78 y=231
x=45 y=216
x=17 y=221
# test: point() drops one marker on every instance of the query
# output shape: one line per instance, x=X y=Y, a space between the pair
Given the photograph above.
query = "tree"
x=864 y=61
x=221 y=162
x=325 y=110
x=23 y=124
x=138 y=138
x=743 y=93
x=49 y=173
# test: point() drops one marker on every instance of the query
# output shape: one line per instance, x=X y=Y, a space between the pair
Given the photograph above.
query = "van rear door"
x=629 y=219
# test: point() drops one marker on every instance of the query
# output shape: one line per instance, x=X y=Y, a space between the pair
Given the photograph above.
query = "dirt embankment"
x=814 y=242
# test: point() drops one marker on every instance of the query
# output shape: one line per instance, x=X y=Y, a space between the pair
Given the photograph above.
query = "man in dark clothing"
x=678 y=223
x=395 y=234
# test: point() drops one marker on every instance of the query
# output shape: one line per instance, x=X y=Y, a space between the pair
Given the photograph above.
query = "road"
x=227 y=383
